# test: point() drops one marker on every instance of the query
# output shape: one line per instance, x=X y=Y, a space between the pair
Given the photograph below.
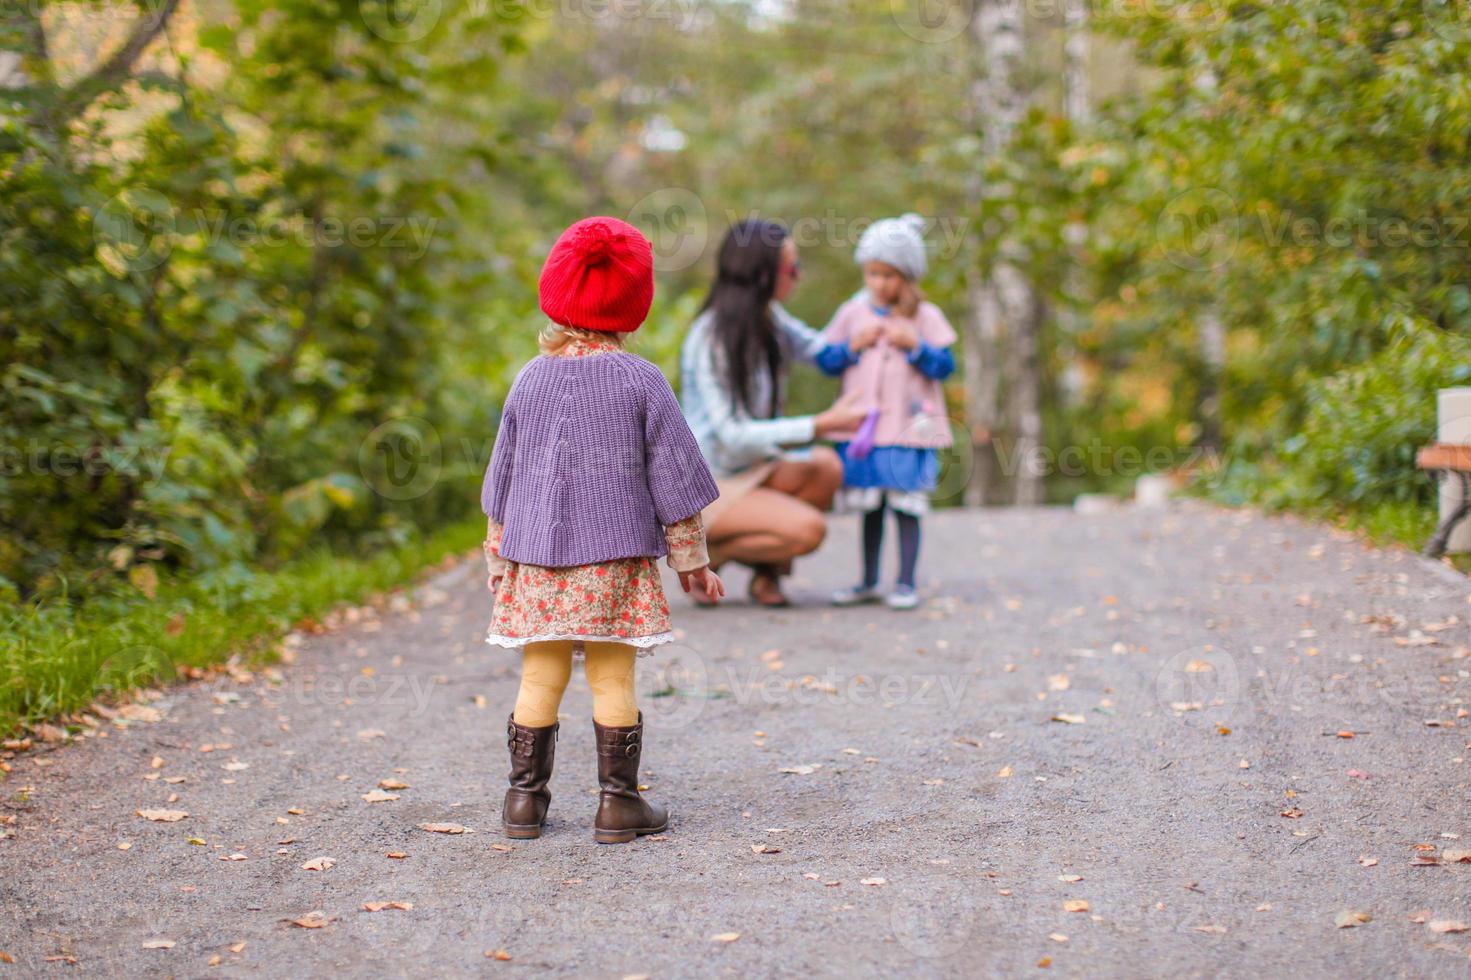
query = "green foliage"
x=1298 y=172
x=212 y=293
x=1356 y=448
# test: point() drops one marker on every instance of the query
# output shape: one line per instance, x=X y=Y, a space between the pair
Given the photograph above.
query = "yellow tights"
x=547 y=667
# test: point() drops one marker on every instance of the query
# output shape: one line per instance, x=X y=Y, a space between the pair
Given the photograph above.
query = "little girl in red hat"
x=594 y=476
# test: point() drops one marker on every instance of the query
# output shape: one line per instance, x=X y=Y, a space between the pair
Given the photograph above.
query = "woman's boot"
x=622 y=813
x=532 y=751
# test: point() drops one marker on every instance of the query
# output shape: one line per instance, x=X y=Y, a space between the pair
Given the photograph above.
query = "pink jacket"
x=911 y=406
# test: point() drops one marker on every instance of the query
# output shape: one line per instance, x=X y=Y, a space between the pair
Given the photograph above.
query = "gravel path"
x=1106 y=746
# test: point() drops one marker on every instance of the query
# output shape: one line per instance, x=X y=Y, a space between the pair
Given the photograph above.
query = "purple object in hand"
x=862 y=443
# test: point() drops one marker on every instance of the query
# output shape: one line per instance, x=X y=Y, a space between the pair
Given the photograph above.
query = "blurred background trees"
x=267 y=268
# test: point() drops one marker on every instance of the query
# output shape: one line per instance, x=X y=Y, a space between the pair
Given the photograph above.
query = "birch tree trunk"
x=997 y=105
x=1078 y=105
x=1004 y=322
x=1211 y=338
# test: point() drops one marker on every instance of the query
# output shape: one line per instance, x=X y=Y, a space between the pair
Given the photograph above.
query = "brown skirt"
x=733 y=488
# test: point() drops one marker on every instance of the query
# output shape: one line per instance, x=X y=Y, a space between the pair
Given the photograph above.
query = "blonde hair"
x=554 y=337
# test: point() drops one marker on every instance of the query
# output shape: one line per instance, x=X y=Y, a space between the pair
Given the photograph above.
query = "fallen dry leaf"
x=1005 y=772
x=874 y=881
x=1212 y=930
x=318 y=864
x=380 y=906
x=158 y=944
x=1075 y=905
x=725 y=937
x=805 y=770
x=1070 y=719
x=764 y=849
x=1451 y=856
x=1349 y=920
x=378 y=796
x=1292 y=813
x=312 y=920
x=163 y=816
x=392 y=784
x=444 y=828
x=1444 y=926
x=233 y=857
x=498 y=954
x=1367 y=861
x=1070 y=878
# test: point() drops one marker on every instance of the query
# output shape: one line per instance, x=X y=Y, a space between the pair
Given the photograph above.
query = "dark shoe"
x=532 y=751
x=622 y=813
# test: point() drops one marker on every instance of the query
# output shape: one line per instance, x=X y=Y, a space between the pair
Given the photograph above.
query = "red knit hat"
x=599 y=276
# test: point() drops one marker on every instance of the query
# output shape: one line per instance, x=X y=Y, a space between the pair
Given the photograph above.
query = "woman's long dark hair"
x=740 y=303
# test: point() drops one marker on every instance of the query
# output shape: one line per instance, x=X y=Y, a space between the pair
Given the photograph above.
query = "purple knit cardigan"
x=592 y=459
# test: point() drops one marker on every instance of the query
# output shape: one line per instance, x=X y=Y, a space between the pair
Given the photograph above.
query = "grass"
x=1397 y=522
x=57 y=658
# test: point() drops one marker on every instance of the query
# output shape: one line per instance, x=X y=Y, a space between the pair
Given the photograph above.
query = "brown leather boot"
x=622 y=813
x=532 y=751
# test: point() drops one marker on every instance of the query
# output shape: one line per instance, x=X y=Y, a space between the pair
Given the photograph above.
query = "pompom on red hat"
x=599 y=276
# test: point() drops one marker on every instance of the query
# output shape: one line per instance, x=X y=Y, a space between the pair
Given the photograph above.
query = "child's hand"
x=705 y=580
x=493 y=583
x=866 y=336
x=902 y=335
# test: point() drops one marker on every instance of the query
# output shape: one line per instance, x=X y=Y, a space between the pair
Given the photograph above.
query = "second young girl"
x=893 y=350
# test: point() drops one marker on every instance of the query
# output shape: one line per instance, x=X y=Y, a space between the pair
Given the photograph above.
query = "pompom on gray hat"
x=898 y=242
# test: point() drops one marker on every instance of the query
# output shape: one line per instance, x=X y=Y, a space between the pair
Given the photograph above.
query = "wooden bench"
x=1451 y=459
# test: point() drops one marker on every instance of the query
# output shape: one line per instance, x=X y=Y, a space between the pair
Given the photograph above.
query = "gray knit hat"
x=895 y=241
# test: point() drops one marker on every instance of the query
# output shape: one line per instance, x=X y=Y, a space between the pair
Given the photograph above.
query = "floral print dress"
x=618 y=601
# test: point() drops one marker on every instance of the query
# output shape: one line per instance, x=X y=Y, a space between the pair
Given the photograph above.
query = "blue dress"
x=907 y=469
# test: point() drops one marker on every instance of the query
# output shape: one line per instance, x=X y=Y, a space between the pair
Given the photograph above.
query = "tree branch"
x=114 y=70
